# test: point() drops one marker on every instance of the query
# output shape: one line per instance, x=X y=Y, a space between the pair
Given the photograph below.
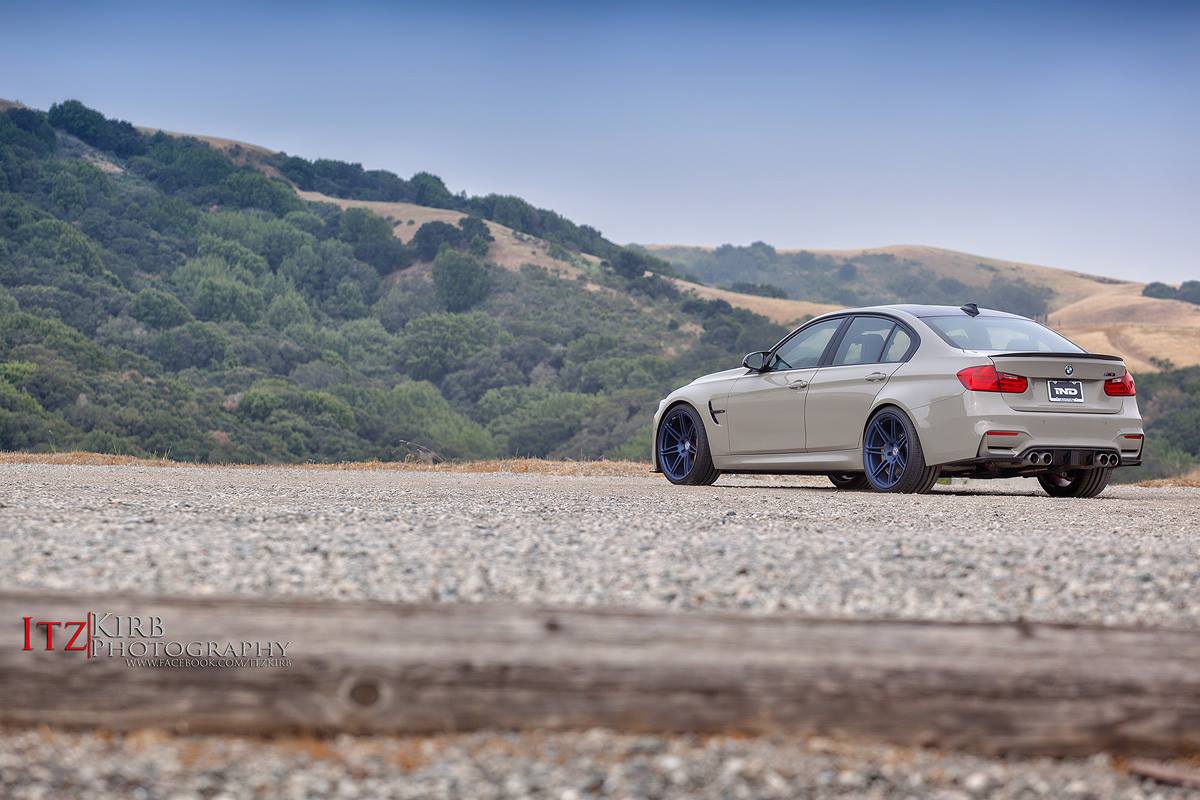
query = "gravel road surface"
x=756 y=544
x=38 y=765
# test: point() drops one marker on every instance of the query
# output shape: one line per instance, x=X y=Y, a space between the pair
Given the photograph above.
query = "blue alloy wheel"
x=886 y=450
x=677 y=444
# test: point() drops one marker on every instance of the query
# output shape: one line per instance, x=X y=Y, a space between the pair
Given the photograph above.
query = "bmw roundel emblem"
x=1070 y=370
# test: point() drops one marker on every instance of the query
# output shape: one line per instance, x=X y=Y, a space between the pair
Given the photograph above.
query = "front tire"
x=892 y=455
x=682 y=448
x=1082 y=483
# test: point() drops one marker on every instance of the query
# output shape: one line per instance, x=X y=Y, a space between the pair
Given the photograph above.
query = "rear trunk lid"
x=1062 y=382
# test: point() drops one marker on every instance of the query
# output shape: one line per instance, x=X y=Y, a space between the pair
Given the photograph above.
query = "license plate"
x=1065 y=391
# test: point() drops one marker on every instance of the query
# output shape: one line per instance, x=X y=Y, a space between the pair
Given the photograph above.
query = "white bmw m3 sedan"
x=890 y=398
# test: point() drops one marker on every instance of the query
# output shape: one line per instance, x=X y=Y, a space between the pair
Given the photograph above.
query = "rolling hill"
x=1101 y=314
x=213 y=300
x=163 y=294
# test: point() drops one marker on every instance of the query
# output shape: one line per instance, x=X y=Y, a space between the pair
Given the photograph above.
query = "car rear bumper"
x=981 y=428
x=1050 y=459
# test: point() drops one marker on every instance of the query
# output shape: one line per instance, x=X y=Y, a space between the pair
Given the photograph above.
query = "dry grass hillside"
x=217 y=142
x=785 y=312
x=1101 y=314
x=511 y=249
x=1066 y=286
x=1122 y=321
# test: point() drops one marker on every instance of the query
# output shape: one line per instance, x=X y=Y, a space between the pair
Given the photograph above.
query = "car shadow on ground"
x=951 y=491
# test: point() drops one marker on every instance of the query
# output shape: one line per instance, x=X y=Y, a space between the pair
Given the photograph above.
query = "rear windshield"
x=1009 y=334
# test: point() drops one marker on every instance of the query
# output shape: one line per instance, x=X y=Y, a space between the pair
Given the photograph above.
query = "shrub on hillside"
x=432 y=236
x=541 y=422
x=459 y=280
x=116 y=136
x=249 y=188
x=373 y=242
x=760 y=289
x=158 y=309
x=437 y=344
x=1161 y=291
x=193 y=344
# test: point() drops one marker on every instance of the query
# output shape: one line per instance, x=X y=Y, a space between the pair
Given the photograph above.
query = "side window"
x=863 y=342
x=899 y=345
x=805 y=348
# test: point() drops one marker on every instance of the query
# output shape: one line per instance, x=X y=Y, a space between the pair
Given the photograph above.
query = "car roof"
x=919 y=311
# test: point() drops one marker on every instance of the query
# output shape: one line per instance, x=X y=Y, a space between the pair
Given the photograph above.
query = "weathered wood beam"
x=383 y=668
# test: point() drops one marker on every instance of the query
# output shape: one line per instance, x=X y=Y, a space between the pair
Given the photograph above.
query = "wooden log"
x=1170 y=774
x=382 y=668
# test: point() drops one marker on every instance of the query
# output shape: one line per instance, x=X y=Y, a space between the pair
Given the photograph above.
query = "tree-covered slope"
x=162 y=296
x=898 y=274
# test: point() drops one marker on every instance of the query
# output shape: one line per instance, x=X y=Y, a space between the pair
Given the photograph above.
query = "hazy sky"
x=1064 y=134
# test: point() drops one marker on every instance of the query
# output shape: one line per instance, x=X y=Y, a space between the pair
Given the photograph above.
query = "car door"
x=765 y=410
x=842 y=393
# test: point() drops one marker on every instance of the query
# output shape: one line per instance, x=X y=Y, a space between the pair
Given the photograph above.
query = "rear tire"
x=849 y=481
x=892 y=455
x=1082 y=483
x=681 y=447
x=930 y=481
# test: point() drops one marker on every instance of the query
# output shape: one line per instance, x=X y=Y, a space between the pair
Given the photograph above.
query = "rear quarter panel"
x=928 y=390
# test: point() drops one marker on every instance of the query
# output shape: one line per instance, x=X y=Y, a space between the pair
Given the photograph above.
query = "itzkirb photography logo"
x=144 y=641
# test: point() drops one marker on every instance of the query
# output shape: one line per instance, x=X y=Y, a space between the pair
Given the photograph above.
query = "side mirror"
x=756 y=361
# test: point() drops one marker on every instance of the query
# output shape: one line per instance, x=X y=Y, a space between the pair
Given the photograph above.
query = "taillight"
x=987 y=379
x=1121 y=387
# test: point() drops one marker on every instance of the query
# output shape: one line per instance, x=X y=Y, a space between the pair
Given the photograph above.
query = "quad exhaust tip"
x=1046 y=458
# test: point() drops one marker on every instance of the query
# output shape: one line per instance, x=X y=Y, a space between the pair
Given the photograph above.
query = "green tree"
x=1162 y=291
x=761 y=289
x=1189 y=291
x=220 y=298
x=373 y=241
x=288 y=308
x=193 y=344
x=363 y=225
x=478 y=235
x=116 y=136
x=437 y=344
x=459 y=280
x=428 y=190
x=8 y=303
x=158 y=309
x=233 y=253
x=432 y=236
x=67 y=194
x=539 y=426
x=249 y=188
x=422 y=416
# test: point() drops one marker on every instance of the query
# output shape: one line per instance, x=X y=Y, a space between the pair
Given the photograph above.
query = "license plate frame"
x=1065 y=391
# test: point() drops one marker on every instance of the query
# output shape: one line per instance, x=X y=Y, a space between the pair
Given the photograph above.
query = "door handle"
x=798 y=384
x=876 y=377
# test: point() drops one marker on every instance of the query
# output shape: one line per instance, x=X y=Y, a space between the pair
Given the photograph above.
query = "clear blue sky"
x=1065 y=134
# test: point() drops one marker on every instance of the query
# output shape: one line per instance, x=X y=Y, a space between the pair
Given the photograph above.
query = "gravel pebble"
x=757 y=544
x=747 y=543
x=42 y=765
